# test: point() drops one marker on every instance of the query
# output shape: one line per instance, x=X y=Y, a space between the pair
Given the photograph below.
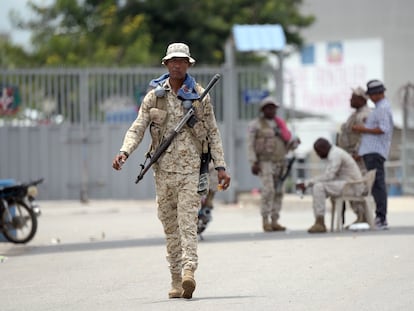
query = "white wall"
x=390 y=21
x=322 y=82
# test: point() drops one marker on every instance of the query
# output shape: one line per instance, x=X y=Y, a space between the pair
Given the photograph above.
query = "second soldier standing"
x=268 y=142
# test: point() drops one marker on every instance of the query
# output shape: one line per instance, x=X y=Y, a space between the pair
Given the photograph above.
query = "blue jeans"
x=379 y=189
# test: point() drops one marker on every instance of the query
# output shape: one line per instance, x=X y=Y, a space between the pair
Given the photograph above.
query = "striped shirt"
x=380 y=117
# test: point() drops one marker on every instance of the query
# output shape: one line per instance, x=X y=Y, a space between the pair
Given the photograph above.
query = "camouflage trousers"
x=272 y=192
x=178 y=205
x=323 y=190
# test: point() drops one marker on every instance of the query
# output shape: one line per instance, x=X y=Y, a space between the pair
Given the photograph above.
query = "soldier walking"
x=177 y=170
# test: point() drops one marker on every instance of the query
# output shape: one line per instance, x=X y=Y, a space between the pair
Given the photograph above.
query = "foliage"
x=92 y=33
x=12 y=56
x=130 y=32
x=205 y=25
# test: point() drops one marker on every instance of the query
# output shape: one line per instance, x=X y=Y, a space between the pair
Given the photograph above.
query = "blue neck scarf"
x=187 y=90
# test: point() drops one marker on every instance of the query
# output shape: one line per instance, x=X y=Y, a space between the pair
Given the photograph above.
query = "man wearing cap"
x=268 y=142
x=177 y=170
x=350 y=140
x=375 y=146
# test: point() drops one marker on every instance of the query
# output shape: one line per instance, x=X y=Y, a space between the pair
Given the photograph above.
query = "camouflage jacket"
x=264 y=143
x=162 y=115
x=348 y=139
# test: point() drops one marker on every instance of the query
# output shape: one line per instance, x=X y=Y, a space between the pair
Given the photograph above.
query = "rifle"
x=288 y=169
x=204 y=172
x=167 y=142
x=282 y=177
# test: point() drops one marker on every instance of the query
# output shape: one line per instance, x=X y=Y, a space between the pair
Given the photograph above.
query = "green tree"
x=130 y=32
x=12 y=56
x=206 y=24
x=87 y=34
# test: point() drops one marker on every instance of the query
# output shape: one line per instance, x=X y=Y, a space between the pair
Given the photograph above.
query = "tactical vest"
x=159 y=131
x=269 y=146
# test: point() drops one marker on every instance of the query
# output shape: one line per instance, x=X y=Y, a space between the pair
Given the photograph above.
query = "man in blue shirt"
x=376 y=135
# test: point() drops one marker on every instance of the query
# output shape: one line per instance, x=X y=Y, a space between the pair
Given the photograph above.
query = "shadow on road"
x=206 y=298
x=30 y=250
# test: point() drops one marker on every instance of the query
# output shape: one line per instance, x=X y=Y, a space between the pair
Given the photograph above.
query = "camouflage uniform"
x=177 y=170
x=268 y=149
x=350 y=141
x=340 y=169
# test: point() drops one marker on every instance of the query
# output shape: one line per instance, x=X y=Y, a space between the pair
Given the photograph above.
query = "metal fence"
x=67 y=124
x=90 y=95
x=100 y=95
x=70 y=123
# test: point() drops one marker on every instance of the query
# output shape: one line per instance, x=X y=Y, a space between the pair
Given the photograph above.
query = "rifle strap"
x=201 y=144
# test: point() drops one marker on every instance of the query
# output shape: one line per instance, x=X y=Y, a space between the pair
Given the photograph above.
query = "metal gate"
x=67 y=124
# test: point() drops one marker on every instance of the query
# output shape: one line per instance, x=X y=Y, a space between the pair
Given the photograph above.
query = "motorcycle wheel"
x=20 y=226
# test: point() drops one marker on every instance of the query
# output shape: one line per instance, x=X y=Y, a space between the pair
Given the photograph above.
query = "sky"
x=17 y=37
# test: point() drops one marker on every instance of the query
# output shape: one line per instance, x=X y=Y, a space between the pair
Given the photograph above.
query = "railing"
x=95 y=95
x=87 y=111
x=101 y=95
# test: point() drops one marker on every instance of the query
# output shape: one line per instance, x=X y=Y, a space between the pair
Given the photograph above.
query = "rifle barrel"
x=210 y=85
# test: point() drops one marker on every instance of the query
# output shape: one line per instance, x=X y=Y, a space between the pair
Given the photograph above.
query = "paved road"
x=110 y=255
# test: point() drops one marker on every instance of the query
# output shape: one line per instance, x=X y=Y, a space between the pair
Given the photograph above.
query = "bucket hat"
x=359 y=91
x=268 y=101
x=178 y=50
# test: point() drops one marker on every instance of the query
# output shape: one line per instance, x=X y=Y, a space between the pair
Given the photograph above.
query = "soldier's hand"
x=223 y=179
x=256 y=168
x=118 y=161
x=294 y=143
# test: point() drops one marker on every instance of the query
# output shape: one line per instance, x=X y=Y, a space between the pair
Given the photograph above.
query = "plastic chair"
x=337 y=202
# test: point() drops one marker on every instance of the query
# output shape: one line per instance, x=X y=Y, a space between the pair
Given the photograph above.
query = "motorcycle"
x=19 y=211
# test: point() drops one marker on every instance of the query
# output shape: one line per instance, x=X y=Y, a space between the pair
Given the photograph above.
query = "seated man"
x=341 y=168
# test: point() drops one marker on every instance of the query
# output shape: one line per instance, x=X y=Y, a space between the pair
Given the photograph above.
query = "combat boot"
x=276 y=226
x=176 y=287
x=319 y=225
x=188 y=284
x=267 y=226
